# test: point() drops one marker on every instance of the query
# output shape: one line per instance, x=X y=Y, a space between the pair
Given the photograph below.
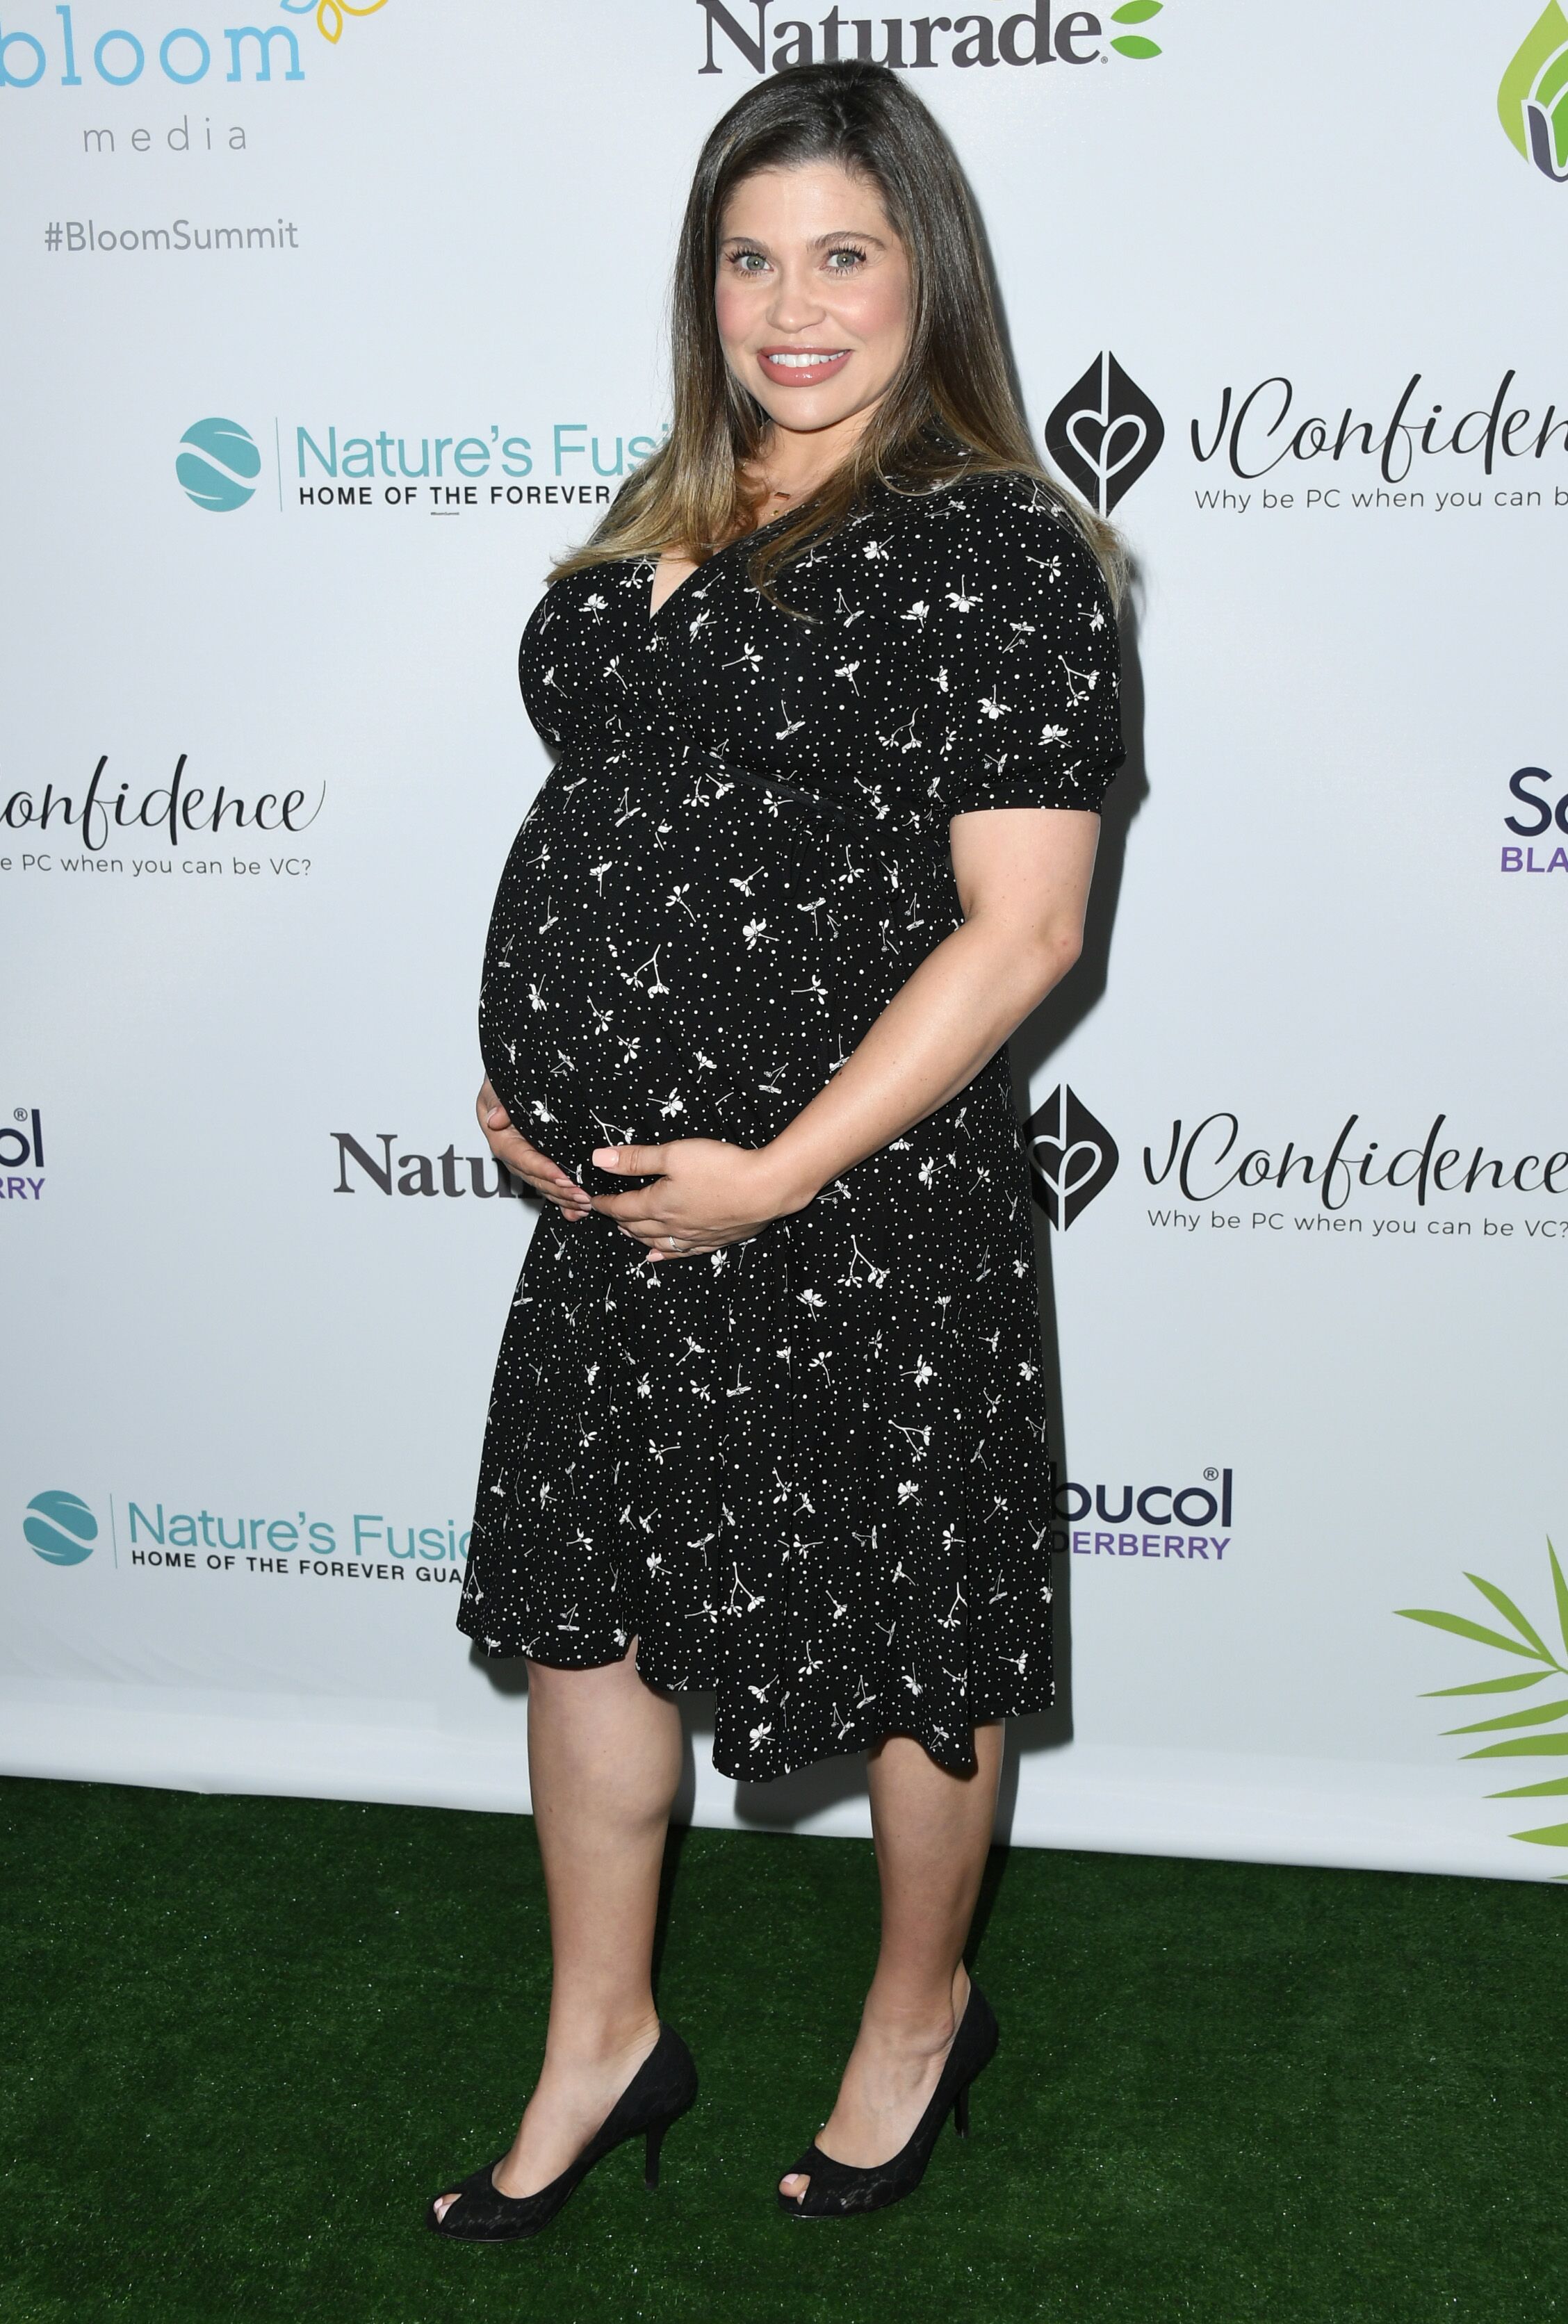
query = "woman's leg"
x=603 y=1755
x=932 y=1831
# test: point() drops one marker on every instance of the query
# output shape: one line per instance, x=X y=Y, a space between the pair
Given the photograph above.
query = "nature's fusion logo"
x=1073 y=1157
x=1533 y=101
x=1104 y=434
x=60 y=1528
x=219 y=469
x=1043 y=34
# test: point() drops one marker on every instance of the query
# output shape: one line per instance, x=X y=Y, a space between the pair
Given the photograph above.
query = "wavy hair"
x=951 y=409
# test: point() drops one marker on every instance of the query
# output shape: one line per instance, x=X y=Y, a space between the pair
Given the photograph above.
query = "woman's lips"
x=785 y=367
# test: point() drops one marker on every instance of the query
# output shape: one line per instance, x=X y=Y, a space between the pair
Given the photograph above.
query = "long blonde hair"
x=952 y=408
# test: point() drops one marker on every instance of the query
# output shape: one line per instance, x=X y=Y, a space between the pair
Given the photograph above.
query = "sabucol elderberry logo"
x=748 y=34
x=22 y=1156
x=1535 y=814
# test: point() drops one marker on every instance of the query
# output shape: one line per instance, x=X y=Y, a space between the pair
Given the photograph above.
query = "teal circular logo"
x=60 y=1528
x=218 y=469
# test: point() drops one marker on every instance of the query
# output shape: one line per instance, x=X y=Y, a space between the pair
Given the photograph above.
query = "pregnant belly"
x=679 y=957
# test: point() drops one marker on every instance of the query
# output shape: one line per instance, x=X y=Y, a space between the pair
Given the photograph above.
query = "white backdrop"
x=310 y=371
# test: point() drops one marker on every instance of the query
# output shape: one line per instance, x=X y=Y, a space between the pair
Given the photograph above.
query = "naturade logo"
x=75 y=52
x=1533 y=101
x=1046 y=34
x=60 y=1528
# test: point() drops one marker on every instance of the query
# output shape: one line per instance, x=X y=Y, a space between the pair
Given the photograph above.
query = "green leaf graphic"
x=1536 y=79
x=1464 y=1629
x=1136 y=12
x=1524 y=1747
x=1133 y=44
x=1553 y=1790
x=1507 y=1684
x=1560 y=1587
x=1510 y=1613
x=1536 y=1715
x=1550 y=1835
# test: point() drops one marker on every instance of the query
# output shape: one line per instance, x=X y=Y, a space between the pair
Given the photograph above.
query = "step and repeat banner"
x=328 y=326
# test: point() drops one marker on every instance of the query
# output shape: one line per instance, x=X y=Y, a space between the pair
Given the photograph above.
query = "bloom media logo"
x=1073 y=1157
x=1104 y=434
x=1533 y=101
x=60 y=1528
x=219 y=469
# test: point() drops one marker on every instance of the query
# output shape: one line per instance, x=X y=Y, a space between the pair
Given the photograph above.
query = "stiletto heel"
x=840 y=2191
x=658 y=2093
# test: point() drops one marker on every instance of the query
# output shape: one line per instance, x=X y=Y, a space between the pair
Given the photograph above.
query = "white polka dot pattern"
x=809 y=1472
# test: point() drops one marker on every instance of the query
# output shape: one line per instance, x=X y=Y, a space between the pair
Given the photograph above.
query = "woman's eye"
x=855 y=258
x=747 y=261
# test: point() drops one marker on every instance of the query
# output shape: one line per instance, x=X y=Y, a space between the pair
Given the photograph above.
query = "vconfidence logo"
x=220 y=465
x=1073 y=1157
x=60 y=1528
x=744 y=33
x=1535 y=815
x=22 y=1156
x=74 y=52
x=1533 y=101
x=1104 y=434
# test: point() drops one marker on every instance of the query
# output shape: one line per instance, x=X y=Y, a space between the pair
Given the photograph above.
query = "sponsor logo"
x=1535 y=815
x=60 y=1528
x=21 y=1156
x=74 y=53
x=219 y=466
x=1534 y=1657
x=367 y=1546
x=744 y=32
x=449 y=1172
x=1379 y=450
x=1104 y=434
x=102 y=810
x=566 y=463
x=1073 y=1157
x=1212 y=1160
x=1148 y=1521
x=1533 y=101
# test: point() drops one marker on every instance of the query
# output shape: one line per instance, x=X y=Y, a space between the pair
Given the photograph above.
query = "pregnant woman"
x=835 y=694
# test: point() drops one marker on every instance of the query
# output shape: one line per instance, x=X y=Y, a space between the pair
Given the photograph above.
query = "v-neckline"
x=756 y=533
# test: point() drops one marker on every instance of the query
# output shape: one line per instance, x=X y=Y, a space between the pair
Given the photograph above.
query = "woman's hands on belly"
x=537 y=1171
x=705 y=1194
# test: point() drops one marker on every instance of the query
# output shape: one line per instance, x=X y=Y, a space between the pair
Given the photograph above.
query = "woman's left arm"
x=1022 y=875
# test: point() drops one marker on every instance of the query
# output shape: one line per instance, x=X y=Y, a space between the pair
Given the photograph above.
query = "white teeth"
x=810 y=361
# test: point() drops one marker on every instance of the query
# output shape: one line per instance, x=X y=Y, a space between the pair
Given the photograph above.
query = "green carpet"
x=245 y=2038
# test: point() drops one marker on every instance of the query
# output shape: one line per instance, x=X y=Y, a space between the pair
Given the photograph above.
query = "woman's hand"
x=539 y=1174
x=705 y=1194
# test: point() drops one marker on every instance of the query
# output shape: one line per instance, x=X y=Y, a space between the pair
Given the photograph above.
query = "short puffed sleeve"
x=1023 y=634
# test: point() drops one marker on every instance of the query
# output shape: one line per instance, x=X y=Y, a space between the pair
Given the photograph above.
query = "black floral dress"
x=808 y=1471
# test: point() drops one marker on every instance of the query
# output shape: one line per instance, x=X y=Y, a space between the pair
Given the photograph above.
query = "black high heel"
x=839 y=2192
x=662 y=2087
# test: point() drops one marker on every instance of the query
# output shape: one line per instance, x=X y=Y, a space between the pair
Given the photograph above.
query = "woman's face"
x=813 y=294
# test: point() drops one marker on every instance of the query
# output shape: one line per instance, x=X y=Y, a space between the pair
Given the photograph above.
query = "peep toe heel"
x=658 y=2093
x=840 y=2191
